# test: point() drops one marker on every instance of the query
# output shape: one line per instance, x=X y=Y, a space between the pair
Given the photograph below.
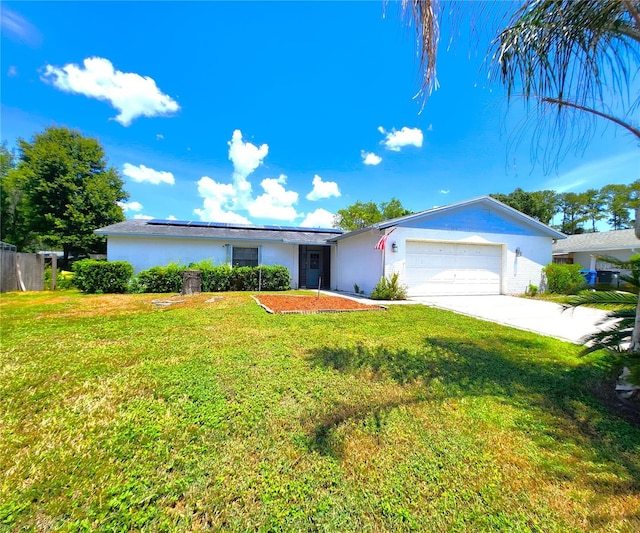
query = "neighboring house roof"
x=622 y=239
x=483 y=201
x=218 y=230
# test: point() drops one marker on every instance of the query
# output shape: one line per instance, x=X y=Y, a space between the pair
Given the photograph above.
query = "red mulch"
x=285 y=304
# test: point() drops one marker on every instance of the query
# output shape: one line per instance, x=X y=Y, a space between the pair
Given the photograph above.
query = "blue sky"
x=276 y=113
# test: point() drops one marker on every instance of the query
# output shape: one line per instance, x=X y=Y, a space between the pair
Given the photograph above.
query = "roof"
x=539 y=226
x=621 y=239
x=218 y=231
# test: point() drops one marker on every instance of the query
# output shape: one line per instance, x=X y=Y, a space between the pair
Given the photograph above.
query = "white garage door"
x=447 y=269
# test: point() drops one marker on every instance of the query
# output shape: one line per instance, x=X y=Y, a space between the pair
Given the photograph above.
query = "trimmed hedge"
x=562 y=278
x=159 y=279
x=99 y=277
x=215 y=278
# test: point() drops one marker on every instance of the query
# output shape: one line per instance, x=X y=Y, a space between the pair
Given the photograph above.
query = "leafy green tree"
x=541 y=205
x=573 y=213
x=13 y=225
x=363 y=214
x=593 y=206
x=68 y=190
x=617 y=199
x=393 y=209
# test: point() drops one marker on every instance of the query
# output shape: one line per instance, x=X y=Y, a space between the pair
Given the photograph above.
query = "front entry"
x=314 y=266
x=313 y=269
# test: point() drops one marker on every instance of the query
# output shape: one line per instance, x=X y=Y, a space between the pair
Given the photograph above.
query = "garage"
x=444 y=268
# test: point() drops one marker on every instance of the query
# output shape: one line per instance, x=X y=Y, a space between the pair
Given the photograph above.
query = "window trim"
x=258 y=254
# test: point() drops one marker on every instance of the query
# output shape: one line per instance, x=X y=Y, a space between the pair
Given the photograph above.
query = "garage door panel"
x=452 y=268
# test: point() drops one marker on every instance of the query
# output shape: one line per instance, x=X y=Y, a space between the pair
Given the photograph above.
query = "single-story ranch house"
x=585 y=248
x=479 y=246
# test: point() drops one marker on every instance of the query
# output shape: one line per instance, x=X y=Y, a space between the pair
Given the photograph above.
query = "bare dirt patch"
x=288 y=304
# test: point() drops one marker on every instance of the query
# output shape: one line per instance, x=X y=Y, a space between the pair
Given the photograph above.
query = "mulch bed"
x=287 y=304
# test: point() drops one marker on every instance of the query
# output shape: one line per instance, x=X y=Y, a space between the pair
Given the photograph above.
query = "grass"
x=120 y=416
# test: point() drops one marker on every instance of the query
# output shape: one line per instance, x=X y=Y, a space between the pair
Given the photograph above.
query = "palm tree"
x=556 y=53
x=623 y=304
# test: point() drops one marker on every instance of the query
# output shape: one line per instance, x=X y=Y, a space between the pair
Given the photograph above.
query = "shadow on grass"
x=502 y=367
x=322 y=434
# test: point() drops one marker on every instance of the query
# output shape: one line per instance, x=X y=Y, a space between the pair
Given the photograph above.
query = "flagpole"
x=384 y=251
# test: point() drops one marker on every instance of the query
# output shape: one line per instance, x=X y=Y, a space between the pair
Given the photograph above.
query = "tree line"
x=580 y=212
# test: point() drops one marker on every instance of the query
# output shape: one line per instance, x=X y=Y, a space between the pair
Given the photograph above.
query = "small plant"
x=389 y=289
x=532 y=290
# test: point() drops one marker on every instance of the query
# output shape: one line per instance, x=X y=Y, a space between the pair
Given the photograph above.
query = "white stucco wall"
x=588 y=261
x=146 y=252
x=358 y=261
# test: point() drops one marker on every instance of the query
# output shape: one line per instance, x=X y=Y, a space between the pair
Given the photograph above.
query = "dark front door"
x=313 y=269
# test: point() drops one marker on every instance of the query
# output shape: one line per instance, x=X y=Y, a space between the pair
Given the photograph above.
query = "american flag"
x=383 y=241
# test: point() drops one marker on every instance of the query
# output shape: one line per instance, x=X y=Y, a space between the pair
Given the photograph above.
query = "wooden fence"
x=20 y=271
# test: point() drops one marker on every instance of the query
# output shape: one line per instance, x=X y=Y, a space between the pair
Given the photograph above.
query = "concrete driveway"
x=538 y=316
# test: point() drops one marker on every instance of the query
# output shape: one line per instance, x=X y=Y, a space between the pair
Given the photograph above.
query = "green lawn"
x=120 y=416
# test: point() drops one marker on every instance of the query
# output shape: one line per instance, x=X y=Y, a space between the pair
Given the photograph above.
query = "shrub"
x=532 y=290
x=98 y=277
x=563 y=279
x=274 y=278
x=389 y=289
x=244 y=279
x=215 y=278
x=159 y=279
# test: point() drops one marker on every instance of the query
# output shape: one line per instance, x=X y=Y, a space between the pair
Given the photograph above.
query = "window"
x=244 y=257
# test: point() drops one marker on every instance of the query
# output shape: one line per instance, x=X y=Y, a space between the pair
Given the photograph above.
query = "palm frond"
x=620 y=263
x=613 y=340
x=611 y=298
x=576 y=61
x=568 y=50
x=425 y=16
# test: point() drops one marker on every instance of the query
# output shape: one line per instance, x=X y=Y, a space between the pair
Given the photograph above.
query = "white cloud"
x=218 y=199
x=246 y=157
x=323 y=189
x=143 y=174
x=369 y=158
x=143 y=217
x=130 y=206
x=12 y=72
x=276 y=202
x=444 y=191
x=213 y=212
x=395 y=140
x=223 y=200
x=159 y=136
x=171 y=217
x=222 y=193
x=18 y=28
x=320 y=218
x=131 y=94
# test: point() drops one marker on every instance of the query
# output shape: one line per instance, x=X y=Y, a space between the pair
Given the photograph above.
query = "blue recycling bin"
x=589 y=276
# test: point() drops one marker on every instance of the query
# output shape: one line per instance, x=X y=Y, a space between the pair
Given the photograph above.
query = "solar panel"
x=231 y=225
